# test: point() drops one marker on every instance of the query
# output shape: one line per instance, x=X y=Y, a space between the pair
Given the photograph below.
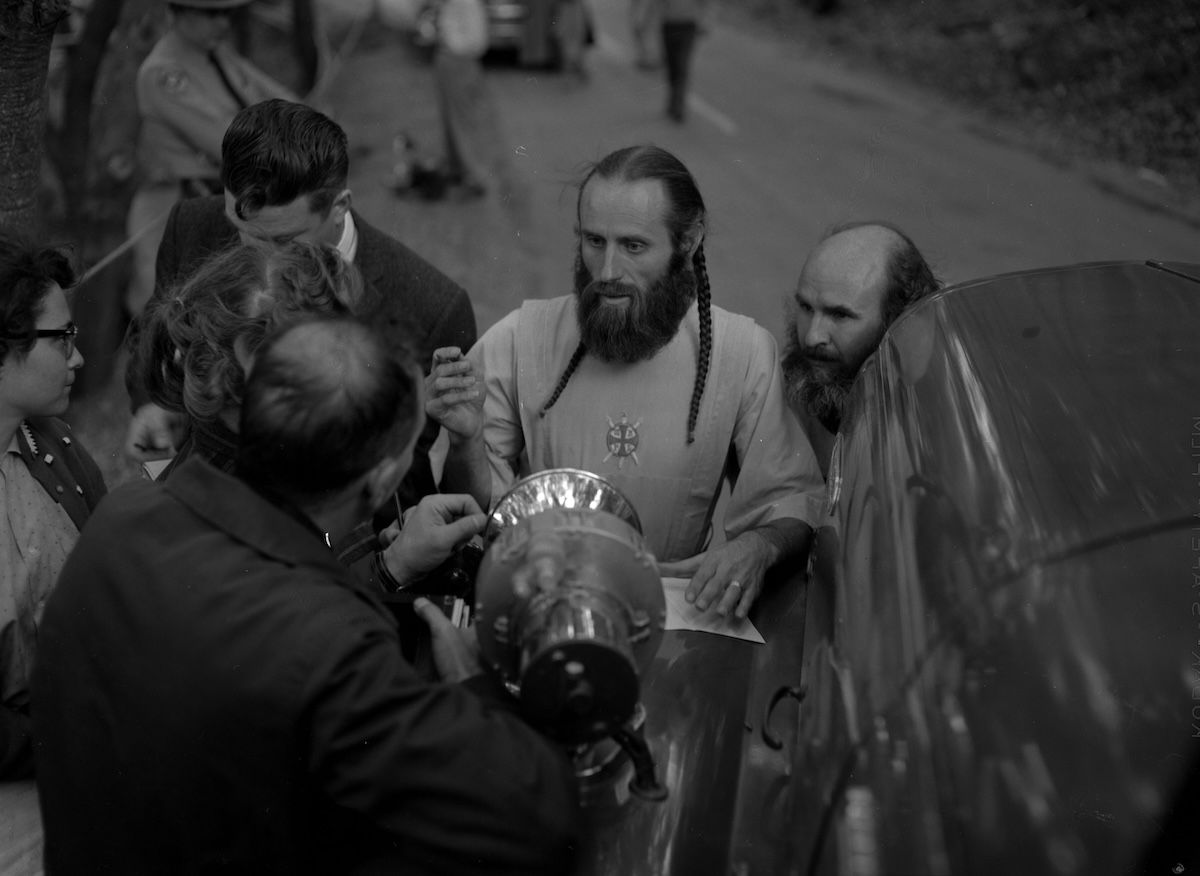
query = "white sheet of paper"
x=683 y=616
x=154 y=468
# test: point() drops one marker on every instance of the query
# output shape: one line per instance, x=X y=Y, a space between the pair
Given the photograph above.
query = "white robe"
x=628 y=423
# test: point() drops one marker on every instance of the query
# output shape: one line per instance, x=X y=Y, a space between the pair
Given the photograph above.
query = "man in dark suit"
x=284 y=168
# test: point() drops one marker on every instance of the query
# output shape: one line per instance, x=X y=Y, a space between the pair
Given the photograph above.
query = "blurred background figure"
x=463 y=97
x=682 y=21
x=643 y=22
x=189 y=88
x=536 y=48
x=48 y=482
x=573 y=27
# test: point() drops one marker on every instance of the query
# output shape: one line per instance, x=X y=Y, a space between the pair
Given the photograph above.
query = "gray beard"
x=818 y=390
x=818 y=393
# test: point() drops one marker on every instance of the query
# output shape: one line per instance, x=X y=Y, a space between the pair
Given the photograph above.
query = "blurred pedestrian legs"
x=643 y=23
x=682 y=22
x=572 y=28
x=678 y=39
x=537 y=34
x=463 y=96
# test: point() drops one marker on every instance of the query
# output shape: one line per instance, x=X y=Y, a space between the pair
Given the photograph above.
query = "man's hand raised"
x=454 y=394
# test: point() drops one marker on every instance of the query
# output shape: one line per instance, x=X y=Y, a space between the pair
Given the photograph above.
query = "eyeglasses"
x=66 y=335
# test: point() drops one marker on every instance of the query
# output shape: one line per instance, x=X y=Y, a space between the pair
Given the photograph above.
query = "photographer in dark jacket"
x=214 y=690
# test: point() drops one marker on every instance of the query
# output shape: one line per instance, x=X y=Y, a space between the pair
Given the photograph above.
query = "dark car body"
x=729 y=805
x=522 y=28
x=526 y=28
x=1003 y=629
x=998 y=671
x=507 y=20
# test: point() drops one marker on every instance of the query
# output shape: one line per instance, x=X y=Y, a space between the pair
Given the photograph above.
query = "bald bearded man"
x=854 y=284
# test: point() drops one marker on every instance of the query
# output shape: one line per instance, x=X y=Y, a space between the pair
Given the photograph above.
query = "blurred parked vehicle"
x=522 y=28
x=1000 y=651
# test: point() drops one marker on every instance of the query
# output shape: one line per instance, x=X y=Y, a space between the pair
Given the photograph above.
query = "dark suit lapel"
x=206 y=232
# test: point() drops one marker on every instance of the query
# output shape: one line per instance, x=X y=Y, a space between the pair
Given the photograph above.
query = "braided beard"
x=634 y=333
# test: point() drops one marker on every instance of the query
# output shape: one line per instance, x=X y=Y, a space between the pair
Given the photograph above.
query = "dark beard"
x=820 y=388
x=637 y=332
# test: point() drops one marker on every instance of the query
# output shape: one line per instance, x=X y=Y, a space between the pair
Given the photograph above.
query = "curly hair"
x=27 y=271
x=195 y=341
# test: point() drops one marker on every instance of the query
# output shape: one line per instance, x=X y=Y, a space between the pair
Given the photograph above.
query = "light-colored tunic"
x=36 y=534
x=186 y=106
x=628 y=423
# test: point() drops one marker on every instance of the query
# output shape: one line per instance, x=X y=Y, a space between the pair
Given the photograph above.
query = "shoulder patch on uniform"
x=173 y=79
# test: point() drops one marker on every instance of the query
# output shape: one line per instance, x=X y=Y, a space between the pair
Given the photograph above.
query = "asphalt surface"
x=783 y=144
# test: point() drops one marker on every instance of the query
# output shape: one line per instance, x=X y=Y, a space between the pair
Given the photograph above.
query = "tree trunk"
x=68 y=141
x=26 y=29
x=92 y=144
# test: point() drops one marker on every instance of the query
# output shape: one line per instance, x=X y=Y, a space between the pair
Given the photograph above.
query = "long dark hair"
x=685 y=218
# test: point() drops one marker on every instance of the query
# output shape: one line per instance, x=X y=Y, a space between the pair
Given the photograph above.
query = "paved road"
x=783 y=146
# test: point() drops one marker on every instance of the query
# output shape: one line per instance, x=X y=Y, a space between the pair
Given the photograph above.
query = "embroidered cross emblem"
x=622 y=440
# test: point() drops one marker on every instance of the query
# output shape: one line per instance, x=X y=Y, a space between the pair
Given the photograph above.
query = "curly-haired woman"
x=207 y=330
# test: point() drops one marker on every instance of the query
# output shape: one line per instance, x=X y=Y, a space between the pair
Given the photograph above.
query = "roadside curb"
x=1139 y=187
x=1146 y=194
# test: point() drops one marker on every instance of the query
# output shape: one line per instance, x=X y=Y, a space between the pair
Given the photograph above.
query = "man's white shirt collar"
x=348 y=245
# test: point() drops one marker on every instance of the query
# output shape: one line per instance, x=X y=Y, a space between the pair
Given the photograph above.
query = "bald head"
x=906 y=276
x=853 y=285
x=852 y=267
x=325 y=402
x=334 y=359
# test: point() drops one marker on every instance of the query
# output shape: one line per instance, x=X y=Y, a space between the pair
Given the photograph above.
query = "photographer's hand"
x=438 y=526
x=455 y=651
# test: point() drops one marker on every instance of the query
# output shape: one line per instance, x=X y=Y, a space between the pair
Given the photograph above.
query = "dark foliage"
x=1106 y=80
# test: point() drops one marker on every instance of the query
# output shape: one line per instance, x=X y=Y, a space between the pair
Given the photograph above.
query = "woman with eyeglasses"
x=48 y=483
